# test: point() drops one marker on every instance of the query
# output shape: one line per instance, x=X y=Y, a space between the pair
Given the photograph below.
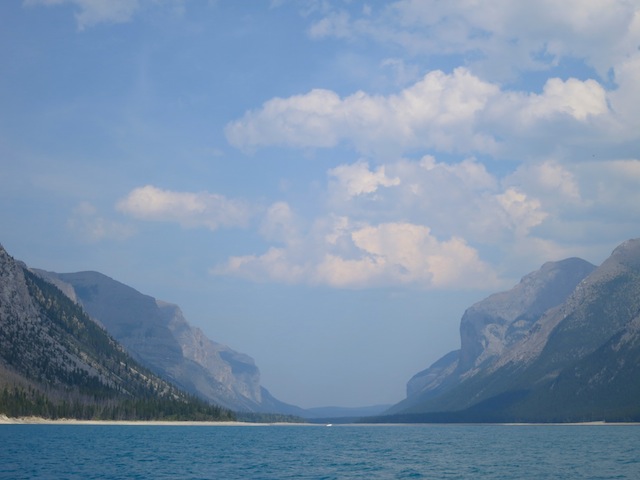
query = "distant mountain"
x=158 y=336
x=57 y=362
x=491 y=326
x=554 y=348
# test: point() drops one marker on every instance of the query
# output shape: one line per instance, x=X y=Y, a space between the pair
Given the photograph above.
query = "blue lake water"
x=317 y=452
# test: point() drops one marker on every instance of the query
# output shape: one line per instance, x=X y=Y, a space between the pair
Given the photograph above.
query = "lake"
x=319 y=452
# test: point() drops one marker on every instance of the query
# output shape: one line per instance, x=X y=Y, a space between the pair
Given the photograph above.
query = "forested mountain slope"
x=55 y=361
x=158 y=336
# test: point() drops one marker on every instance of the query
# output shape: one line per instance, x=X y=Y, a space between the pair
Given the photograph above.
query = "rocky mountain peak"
x=493 y=324
x=575 y=358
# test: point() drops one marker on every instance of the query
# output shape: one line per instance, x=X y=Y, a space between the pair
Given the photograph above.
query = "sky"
x=324 y=185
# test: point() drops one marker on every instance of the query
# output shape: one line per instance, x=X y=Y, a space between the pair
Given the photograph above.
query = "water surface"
x=318 y=452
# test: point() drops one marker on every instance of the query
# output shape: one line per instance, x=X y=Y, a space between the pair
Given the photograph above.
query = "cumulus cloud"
x=404 y=253
x=577 y=197
x=432 y=224
x=439 y=112
x=523 y=213
x=356 y=255
x=573 y=97
x=406 y=222
x=188 y=209
x=550 y=181
x=452 y=113
x=92 y=12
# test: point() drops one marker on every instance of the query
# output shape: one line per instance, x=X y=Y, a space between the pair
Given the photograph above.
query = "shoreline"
x=5 y=420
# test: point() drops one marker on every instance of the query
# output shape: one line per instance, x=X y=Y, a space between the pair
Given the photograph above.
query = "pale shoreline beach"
x=4 y=420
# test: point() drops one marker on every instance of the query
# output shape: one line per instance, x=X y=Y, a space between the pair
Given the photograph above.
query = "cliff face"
x=158 y=335
x=490 y=327
x=577 y=361
x=56 y=361
x=236 y=371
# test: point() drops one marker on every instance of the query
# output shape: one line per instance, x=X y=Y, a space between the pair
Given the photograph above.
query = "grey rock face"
x=49 y=345
x=15 y=301
x=157 y=334
x=490 y=327
x=236 y=371
x=435 y=376
x=575 y=361
x=583 y=316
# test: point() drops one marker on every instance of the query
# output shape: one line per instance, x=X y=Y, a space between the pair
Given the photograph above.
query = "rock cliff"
x=55 y=361
x=157 y=334
x=575 y=361
x=493 y=325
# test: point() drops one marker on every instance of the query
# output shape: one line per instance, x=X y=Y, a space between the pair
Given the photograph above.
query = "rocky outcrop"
x=236 y=371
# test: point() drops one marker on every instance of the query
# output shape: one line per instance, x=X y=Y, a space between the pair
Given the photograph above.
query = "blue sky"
x=323 y=185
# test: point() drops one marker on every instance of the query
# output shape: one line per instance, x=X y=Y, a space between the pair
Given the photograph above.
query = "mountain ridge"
x=489 y=327
x=55 y=361
x=577 y=362
x=158 y=335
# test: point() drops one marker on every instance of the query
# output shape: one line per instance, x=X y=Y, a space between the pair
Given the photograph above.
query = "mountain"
x=491 y=326
x=56 y=361
x=574 y=361
x=158 y=336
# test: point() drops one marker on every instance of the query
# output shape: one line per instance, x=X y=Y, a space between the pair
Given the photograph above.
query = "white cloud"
x=548 y=180
x=566 y=113
x=356 y=179
x=92 y=12
x=523 y=213
x=402 y=223
x=443 y=224
x=452 y=113
x=431 y=224
x=299 y=121
x=188 y=209
x=92 y=227
x=461 y=199
x=404 y=253
x=439 y=111
x=577 y=198
x=359 y=256
x=573 y=97
x=499 y=35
